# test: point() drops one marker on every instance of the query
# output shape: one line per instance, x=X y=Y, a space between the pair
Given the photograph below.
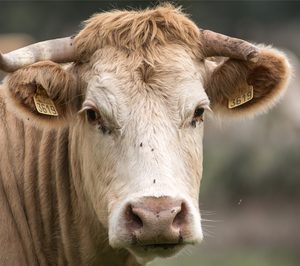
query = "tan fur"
x=143 y=31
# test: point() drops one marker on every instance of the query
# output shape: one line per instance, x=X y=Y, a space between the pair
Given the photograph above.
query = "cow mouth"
x=160 y=246
x=156 y=250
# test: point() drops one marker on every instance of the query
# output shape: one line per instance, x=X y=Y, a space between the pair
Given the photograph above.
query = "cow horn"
x=57 y=50
x=216 y=44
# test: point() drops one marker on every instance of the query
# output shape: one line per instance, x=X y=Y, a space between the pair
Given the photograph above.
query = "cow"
x=101 y=135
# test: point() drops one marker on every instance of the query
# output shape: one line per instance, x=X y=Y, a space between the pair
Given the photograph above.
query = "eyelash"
x=198 y=116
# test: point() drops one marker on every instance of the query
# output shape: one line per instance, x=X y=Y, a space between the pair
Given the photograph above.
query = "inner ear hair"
x=58 y=84
x=268 y=77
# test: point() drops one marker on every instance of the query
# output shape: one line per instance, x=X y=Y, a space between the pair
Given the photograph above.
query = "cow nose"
x=156 y=221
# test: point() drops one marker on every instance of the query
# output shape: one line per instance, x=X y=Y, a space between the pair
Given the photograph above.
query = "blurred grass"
x=235 y=258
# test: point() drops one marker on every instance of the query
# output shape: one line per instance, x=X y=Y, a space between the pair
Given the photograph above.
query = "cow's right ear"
x=45 y=90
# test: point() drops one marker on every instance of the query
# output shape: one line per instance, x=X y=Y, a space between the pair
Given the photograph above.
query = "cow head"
x=135 y=98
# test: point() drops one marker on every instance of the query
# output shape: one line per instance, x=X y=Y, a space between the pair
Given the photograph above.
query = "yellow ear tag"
x=44 y=104
x=241 y=99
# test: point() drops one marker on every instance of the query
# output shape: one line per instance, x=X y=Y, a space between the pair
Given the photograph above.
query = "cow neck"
x=47 y=205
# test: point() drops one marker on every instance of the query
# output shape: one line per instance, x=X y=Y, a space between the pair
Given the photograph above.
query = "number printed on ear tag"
x=44 y=104
x=239 y=100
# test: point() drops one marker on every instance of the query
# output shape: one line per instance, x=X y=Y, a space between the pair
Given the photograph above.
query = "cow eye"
x=199 y=112
x=92 y=115
x=94 y=118
x=198 y=116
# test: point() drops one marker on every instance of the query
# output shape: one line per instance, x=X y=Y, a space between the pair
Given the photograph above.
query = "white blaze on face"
x=152 y=149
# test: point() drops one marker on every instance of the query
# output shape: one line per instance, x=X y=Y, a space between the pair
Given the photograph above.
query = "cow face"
x=142 y=148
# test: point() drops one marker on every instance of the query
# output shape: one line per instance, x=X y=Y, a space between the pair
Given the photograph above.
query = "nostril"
x=181 y=217
x=133 y=220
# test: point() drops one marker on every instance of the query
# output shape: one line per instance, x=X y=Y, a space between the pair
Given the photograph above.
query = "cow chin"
x=144 y=254
x=150 y=227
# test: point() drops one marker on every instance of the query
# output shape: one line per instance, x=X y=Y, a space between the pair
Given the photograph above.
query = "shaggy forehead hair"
x=139 y=31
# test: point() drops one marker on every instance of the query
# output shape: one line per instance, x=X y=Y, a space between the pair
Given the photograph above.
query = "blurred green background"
x=249 y=198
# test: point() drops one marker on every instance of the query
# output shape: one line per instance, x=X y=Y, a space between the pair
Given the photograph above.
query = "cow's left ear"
x=44 y=90
x=239 y=88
